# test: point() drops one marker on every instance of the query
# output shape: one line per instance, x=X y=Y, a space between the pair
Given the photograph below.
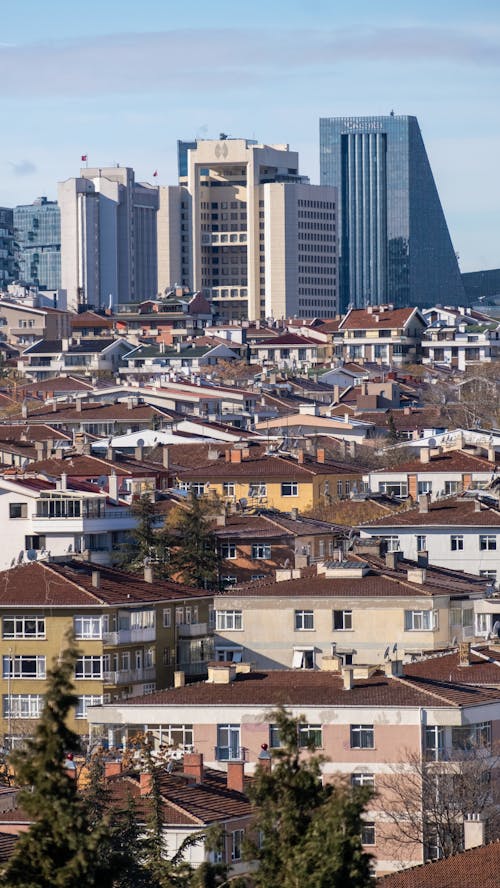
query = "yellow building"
x=132 y=634
x=273 y=482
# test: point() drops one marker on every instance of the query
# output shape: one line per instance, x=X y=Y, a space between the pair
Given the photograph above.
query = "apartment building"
x=381 y=334
x=437 y=473
x=131 y=632
x=22 y=325
x=46 y=357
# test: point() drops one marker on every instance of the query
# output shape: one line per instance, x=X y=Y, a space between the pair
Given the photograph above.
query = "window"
x=228 y=550
x=310 y=735
x=23 y=666
x=229 y=619
x=362 y=737
x=256 y=489
x=483 y=624
x=487 y=542
x=394 y=488
x=88 y=667
x=304 y=620
x=229 y=488
x=362 y=778
x=37 y=542
x=342 y=619
x=392 y=543
x=368 y=832
x=18 y=510
x=22 y=705
x=228 y=743
x=179 y=616
x=177 y=735
x=166 y=657
x=421 y=543
x=434 y=743
x=260 y=551
x=167 y=618
x=289 y=488
x=451 y=488
x=23 y=627
x=229 y=655
x=421 y=620
x=424 y=487
x=197 y=487
x=489 y=575
x=456 y=542
x=237 y=844
x=87 y=700
x=87 y=627
x=476 y=736
x=303 y=658
x=274 y=737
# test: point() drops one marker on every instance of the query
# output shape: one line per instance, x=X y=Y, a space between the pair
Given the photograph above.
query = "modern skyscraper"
x=249 y=231
x=394 y=244
x=8 y=264
x=108 y=238
x=37 y=228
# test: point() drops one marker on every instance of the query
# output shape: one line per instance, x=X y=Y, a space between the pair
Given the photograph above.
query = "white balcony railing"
x=128 y=636
x=126 y=676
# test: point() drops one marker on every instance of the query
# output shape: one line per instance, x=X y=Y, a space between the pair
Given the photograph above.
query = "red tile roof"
x=476 y=868
x=361 y=319
x=268 y=467
x=443 y=513
x=452 y=461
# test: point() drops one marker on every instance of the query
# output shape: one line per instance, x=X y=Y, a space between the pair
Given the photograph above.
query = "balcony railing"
x=230 y=753
x=128 y=636
x=192 y=630
x=125 y=676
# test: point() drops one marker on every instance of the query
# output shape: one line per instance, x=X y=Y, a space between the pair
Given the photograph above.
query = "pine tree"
x=60 y=849
x=310 y=833
x=144 y=541
x=192 y=543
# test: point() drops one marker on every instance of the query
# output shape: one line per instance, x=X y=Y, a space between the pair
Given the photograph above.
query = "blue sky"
x=122 y=81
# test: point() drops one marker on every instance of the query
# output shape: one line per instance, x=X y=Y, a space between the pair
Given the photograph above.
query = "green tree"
x=310 y=833
x=145 y=542
x=60 y=849
x=192 y=543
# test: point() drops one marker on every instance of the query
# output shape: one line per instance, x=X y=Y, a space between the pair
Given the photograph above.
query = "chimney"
x=348 y=677
x=148 y=573
x=139 y=453
x=352 y=448
x=221 y=673
x=474 y=831
x=300 y=457
x=54 y=406
x=235 y=456
x=112 y=768
x=110 y=453
x=78 y=405
x=41 y=449
x=422 y=558
x=64 y=481
x=294 y=513
x=320 y=455
x=96 y=579
x=179 y=679
x=166 y=457
x=113 y=487
x=24 y=410
x=236 y=776
x=264 y=759
x=336 y=394
x=193 y=766
x=477 y=505
x=416 y=575
x=145 y=783
x=425 y=455
x=393 y=668
x=392 y=559
x=424 y=503
x=492 y=456
x=464 y=653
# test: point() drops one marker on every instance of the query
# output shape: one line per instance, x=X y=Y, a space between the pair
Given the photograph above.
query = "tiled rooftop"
x=476 y=868
x=451 y=512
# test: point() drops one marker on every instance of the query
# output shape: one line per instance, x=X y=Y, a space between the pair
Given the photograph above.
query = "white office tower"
x=108 y=238
x=248 y=231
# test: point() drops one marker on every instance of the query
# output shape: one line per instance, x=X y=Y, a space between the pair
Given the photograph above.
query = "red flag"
x=84 y=157
x=155 y=173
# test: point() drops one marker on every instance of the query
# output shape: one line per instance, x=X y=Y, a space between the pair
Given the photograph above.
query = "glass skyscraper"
x=37 y=229
x=8 y=265
x=394 y=244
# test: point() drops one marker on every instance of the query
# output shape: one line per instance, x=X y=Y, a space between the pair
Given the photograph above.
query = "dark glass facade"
x=8 y=265
x=394 y=244
x=37 y=229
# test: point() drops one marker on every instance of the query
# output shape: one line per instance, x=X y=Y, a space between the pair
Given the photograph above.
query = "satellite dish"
x=243 y=502
x=102 y=480
x=387 y=651
x=431 y=442
x=140 y=442
x=395 y=648
x=496 y=627
x=31 y=554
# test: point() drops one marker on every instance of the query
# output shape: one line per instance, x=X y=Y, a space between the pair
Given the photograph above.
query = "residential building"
x=474 y=867
x=108 y=238
x=289 y=351
x=308 y=421
x=37 y=228
x=8 y=262
x=436 y=473
x=248 y=231
x=461 y=341
x=179 y=316
x=394 y=243
x=186 y=358
x=23 y=325
x=382 y=334
x=83 y=416
x=49 y=357
x=132 y=633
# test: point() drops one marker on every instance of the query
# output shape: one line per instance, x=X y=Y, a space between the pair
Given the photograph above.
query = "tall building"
x=108 y=238
x=37 y=228
x=394 y=244
x=8 y=264
x=248 y=231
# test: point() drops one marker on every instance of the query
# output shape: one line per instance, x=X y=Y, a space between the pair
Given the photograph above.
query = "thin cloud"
x=230 y=59
x=23 y=168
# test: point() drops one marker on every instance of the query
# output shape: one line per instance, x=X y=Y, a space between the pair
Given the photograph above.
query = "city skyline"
x=125 y=87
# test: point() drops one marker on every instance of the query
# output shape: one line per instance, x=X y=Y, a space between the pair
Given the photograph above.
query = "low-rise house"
x=459 y=338
x=48 y=357
x=308 y=421
x=289 y=351
x=22 y=325
x=438 y=474
x=98 y=417
x=382 y=333
x=170 y=320
x=155 y=361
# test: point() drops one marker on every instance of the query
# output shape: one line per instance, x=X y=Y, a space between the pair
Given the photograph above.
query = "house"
x=169 y=321
x=22 y=325
x=438 y=474
x=458 y=338
x=308 y=421
x=289 y=351
x=383 y=334
x=186 y=357
x=89 y=324
x=358 y=608
x=131 y=632
x=48 y=357
x=85 y=416
x=364 y=720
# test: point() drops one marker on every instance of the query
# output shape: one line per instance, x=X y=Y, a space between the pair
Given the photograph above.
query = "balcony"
x=192 y=630
x=230 y=754
x=129 y=636
x=129 y=676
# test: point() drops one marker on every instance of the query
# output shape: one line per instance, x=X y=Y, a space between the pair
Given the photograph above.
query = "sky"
x=122 y=81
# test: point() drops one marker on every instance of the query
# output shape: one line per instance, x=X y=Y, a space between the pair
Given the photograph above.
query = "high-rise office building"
x=108 y=238
x=8 y=262
x=394 y=244
x=37 y=228
x=245 y=228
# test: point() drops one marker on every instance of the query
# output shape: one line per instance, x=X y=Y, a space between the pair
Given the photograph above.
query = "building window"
x=228 y=655
x=451 y=488
x=88 y=667
x=166 y=656
x=23 y=627
x=167 y=618
x=421 y=543
x=237 y=844
x=368 y=832
x=487 y=542
x=228 y=743
x=392 y=543
x=260 y=551
x=362 y=778
x=228 y=550
x=456 y=542
x=394 y=488
x=342 y=619
x=303 y=658
x=490 y=575
x=179 y=616
x=22 y=705
x=304 y=620
x=421 y=620
x=362 y=737
x=434 y=743
x=289 y=488
x=424 y=487
x=23 y=666
x=257 y=490
x=229 y=619
x=197 y=487
x=229 y=488
x=87 y=627
x=87 y=700
x=476 y=736
x=274 y=737
x=18 y=510
x=310 y=736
